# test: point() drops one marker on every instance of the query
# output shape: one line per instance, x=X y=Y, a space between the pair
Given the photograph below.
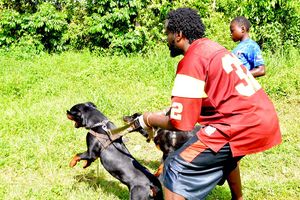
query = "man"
x=214 y=89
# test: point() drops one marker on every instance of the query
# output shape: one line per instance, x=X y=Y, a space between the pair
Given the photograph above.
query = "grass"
x=37 y=141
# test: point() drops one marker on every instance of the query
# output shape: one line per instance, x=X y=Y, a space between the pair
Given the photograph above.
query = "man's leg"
x=235 y=185
x=169 y=195
x=234 y=181
x=194 y=170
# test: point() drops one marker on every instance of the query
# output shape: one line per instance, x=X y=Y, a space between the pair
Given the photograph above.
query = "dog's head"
x=85 y=115
x=164 y=140
x=130 y=118
x=168 y=141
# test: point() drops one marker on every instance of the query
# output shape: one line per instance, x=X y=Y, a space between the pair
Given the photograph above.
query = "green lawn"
x=37 y=141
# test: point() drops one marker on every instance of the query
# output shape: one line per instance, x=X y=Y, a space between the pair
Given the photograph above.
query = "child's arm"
x=258 y=71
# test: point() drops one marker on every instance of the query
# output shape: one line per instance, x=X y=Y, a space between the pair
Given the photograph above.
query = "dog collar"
x=102 y=123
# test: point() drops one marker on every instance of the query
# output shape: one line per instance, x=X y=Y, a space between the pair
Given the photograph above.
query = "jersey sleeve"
x=187 y=94
x=185 y=112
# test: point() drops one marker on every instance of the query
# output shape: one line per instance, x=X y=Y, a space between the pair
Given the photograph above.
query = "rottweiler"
x=113 y=154
x=165 y=140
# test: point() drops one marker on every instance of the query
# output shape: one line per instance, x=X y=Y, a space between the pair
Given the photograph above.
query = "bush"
x=138 y=25
x=275 y=23
x=45 y=27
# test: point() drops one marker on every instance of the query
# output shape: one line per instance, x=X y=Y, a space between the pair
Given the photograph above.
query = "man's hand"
x=139 y=125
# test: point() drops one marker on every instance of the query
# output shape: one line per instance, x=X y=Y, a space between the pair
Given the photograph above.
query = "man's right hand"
x=138 y=125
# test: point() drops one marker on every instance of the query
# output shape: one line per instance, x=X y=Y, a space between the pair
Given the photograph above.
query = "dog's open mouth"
x=71 y=117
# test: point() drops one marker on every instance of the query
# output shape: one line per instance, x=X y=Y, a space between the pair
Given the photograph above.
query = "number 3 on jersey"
x=231 y=63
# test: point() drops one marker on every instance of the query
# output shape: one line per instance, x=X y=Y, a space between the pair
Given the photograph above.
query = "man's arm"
x=157 y=119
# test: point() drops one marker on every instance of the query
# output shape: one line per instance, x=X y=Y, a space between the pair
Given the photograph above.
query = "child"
x=247 y=50
x=249 y=54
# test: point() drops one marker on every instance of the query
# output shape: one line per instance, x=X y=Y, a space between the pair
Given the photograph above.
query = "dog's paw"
x=74 y=161
x=159 y=171
x=86 y=164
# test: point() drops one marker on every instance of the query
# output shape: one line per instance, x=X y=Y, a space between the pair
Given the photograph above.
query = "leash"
x=111 y=134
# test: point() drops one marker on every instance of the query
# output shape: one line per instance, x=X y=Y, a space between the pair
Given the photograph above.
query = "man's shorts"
x=194 y=170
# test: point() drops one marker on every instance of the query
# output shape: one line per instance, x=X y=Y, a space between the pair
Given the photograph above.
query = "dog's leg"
x=82 y=156
x=139 y=192
x=74 y=161
x=159 y=170
x=89 y=156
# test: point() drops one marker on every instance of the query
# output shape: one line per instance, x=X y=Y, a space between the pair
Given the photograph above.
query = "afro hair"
x=187 y=21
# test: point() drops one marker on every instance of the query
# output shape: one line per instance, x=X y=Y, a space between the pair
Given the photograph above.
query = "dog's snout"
x=127 y=119
x=69 y=115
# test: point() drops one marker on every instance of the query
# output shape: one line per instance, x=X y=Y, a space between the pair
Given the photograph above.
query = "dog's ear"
x=90 y=117
x=90 y=104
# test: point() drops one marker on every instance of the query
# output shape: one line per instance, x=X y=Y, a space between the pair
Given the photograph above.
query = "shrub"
x=275 y=23
x=138 y=25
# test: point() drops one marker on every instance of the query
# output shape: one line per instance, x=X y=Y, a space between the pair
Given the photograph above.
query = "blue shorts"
x=194 y=170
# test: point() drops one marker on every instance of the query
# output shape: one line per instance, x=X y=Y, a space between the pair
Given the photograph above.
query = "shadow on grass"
x=99 y=180
x=108 y=187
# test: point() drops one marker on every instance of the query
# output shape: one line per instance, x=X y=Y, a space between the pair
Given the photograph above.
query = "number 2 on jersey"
x=231 y=63
x=176 y=110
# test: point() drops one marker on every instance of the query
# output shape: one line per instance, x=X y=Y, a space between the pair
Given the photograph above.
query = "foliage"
x=128 y=26
x=275 y=23
x=31 y=6
x=217 y=29
x=40 y=30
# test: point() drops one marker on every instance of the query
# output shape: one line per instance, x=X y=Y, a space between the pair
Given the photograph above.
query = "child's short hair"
x=242 y=21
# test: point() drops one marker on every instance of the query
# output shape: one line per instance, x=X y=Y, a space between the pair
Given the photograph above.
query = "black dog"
x=113 y=154
x=165 y=140
x=169 y=141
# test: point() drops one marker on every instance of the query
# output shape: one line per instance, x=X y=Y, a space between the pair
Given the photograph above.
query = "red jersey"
x=213 y=88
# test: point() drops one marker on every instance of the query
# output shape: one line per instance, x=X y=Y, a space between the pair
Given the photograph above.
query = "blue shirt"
x=249 y=53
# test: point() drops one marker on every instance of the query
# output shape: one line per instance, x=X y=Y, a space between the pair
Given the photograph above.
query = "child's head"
x=239 y=28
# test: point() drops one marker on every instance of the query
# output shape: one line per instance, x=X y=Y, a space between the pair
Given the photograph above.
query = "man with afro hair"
x=214 y=89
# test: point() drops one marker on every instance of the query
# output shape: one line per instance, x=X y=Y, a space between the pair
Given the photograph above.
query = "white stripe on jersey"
x=189 y=87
